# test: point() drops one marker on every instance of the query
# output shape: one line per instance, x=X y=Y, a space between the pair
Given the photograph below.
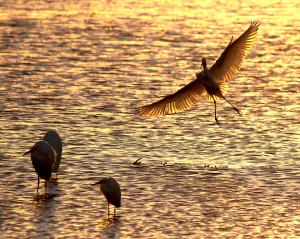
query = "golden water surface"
x=84 y=67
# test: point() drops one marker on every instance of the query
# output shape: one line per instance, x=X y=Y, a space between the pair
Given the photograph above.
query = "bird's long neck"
x=205 y=67
x=205 y=70
x=207 y=76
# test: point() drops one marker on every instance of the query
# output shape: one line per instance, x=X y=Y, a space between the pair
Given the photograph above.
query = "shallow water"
x=83 y=68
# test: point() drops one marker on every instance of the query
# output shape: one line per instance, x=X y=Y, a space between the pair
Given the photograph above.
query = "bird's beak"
x=95 y=183
x=29 y=151
x=33 y=148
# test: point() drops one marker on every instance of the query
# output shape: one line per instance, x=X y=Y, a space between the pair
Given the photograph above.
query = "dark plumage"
x=43 y=158
x=53 y=138
x=112 y=192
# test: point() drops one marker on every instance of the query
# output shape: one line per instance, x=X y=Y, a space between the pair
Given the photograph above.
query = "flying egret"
x=212 y=81
x=43 y=158
x=53 y=138
x=112 y=192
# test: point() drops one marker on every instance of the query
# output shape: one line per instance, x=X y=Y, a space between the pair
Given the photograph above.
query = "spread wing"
x=230 y=61
x=182 y=100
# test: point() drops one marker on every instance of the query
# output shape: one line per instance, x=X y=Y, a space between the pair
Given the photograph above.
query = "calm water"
x=83 y=68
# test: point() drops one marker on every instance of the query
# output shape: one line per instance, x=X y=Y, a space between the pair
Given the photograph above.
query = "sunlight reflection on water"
x=84 y=69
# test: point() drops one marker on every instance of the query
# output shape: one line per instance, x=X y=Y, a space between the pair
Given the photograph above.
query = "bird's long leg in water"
x=37 y=189
x=236 y=109
x=46 y=186
x=216 y=118
x=107 y=209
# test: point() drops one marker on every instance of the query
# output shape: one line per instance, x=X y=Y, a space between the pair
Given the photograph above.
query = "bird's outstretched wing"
x=182 y=100
x=230 y=61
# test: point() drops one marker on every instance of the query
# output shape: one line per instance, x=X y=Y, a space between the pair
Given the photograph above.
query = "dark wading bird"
x=43 y=158
x=212 y=81
x=53 y=138
x=112 y=192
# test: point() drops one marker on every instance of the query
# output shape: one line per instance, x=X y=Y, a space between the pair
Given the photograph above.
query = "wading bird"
x=43 y=158
x=53 y=138
x=112 y=192
x=212 y=81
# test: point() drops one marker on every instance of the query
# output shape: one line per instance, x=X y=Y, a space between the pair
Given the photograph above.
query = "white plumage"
x=212 y=81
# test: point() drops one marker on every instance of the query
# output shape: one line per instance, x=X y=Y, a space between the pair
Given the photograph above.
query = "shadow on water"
x=44 y=198
x=111 y=227
x=52 y=191
x=44 y=214
x=45 y=205
x=1 y=216
x=61 y=69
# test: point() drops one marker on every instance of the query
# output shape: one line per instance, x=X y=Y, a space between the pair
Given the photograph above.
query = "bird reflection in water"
x=42 y=198
x=44 y=224
x=111 y=227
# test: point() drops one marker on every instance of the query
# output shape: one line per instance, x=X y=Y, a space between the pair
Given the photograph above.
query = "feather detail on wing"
x=230 y=61
x=182 y=100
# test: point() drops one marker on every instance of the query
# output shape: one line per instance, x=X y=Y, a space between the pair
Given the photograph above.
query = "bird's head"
x=203 y=62
x=99 y=182
x=30 y=151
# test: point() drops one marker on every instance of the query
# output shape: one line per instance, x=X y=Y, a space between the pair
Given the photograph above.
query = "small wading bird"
x=43 y=157
x=53 y=138
x=112 y=192
x=212 y=81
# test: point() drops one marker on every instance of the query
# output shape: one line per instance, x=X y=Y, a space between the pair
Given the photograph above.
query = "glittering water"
x=83 y=68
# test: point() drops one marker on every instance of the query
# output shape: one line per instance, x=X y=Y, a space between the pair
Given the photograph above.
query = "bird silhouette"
x=112 y=192
x=212 y=82
x=43 y=157
x=53 y=138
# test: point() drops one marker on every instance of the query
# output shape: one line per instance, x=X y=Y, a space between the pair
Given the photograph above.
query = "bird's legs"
x=108 y=210
x=115 y=212
x=38 y=184
x=216 y=118
x=46 y=186
x=236 y=109
x=54 y=179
